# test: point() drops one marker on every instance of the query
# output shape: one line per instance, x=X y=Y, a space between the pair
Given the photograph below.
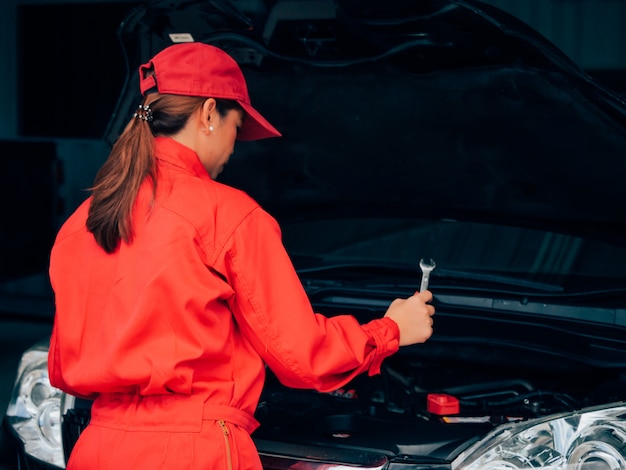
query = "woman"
x=173 y=291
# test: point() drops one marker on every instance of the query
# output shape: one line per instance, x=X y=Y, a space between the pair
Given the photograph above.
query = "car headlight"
x=34 y=410
x=591 y=438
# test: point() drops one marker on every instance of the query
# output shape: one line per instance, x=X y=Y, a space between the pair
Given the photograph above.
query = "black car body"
x=443 y=129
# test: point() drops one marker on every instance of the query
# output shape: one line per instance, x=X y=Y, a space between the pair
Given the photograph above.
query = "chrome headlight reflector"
x=34 y=410
x=591 y=438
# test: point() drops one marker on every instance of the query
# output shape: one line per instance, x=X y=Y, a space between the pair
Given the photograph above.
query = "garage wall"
x=9 y=56
x=591 y=32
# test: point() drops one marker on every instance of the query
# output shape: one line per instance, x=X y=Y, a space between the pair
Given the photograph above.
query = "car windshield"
x=462 y=250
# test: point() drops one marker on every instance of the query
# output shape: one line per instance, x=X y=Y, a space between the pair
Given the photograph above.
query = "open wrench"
x=426 y=267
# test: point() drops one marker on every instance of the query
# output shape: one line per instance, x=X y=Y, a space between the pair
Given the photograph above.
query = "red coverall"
x=169 y=335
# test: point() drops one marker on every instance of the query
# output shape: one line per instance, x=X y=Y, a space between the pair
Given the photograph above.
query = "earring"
x=211 y=128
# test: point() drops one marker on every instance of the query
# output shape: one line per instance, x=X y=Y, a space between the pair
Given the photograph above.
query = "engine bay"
x=393 y=413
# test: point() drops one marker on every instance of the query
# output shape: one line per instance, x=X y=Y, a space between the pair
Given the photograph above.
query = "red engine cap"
x=442 y=404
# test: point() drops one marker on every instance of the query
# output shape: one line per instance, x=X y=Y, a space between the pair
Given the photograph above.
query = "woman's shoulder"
x=75 y=222
x=213 y=195
x=206 y=203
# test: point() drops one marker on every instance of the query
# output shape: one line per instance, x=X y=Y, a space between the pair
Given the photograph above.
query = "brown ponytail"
x=130 y=162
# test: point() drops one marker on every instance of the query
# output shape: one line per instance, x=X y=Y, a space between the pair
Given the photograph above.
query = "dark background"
x=68 y=54
x=68 y=71
x=67 y=74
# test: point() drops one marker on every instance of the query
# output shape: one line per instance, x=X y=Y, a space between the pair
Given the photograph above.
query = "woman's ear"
x=209 y=109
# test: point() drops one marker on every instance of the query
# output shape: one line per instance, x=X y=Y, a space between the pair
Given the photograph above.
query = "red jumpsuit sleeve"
x=304 y=349
x=55 y=374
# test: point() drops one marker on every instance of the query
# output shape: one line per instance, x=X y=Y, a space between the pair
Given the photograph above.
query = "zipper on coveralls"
x=229 y=456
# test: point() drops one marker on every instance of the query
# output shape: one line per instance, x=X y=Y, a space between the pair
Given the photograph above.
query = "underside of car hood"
x=439 y=108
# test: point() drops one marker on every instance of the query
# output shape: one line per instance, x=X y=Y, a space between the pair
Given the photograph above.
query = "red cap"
x=198 y=69
x=442 y=404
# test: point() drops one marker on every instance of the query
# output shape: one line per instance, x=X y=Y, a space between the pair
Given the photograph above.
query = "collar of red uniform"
x=171 y=151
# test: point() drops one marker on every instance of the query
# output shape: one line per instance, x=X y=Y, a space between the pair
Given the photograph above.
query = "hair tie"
x=144 y=112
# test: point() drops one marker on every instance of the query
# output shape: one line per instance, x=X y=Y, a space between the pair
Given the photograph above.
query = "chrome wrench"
x=426 y=267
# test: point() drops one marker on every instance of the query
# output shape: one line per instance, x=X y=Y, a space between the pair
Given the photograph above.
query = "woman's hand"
x=414 y=317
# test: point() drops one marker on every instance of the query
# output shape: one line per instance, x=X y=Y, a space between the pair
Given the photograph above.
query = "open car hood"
x=439 y=108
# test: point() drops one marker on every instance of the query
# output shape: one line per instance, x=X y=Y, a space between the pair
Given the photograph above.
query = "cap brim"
x=255 y=126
